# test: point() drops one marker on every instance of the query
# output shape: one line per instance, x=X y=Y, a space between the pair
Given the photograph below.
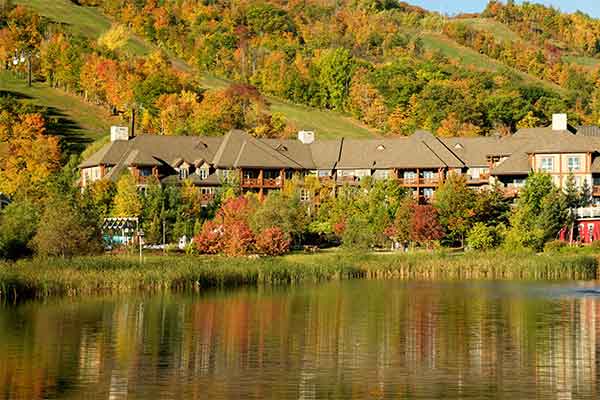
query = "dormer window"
x=203 y=172
x=458 y=146
x=183 y=173
x=380 y=147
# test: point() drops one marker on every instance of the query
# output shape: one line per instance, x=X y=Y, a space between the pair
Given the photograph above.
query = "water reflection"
x=340 y=340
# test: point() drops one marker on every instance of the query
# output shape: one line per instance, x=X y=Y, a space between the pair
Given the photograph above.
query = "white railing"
x=587 y=212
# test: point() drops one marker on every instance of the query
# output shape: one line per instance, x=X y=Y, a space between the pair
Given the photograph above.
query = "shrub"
x=238 y=239
x=554 y=245
x=482 y=237
x=272 y=242
x=18 y=223
x=210 y=238
x=64 y=232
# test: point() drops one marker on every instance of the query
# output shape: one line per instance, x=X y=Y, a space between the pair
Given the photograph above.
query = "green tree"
x=18 y=224
x=127 y=201
x=335 y=72
x=572 y=196
x=64 y=231
x=455 y=204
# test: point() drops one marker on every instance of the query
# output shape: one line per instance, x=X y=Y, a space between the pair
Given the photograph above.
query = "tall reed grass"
x=111 y=274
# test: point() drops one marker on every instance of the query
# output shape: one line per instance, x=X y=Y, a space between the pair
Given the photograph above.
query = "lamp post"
x=141 y=240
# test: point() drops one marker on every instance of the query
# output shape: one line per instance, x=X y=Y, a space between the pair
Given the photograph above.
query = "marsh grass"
x=109 y=274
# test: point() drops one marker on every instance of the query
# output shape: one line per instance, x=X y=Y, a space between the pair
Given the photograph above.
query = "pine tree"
x=571 y=192
x=585 y=197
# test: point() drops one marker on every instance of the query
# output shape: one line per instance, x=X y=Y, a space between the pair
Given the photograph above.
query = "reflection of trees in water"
x=346 y=340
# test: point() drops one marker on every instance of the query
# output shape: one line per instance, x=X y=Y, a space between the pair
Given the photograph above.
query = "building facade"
x=419 y=162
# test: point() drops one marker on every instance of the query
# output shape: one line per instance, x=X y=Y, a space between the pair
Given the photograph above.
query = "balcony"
x=206 y=198
x=483 y=178
x=250 y=182
x=419 y=181
x=596 y=191
x=272 y=182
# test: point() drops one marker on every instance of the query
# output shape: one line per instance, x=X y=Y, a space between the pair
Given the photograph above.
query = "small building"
x=586 y=228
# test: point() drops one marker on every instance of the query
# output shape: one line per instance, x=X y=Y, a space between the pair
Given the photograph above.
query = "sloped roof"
x=516 y=164
x=326 y=153
x=240 y=150
x=473 y=151
x=164 y=148
x=136 y=157
x=588 y=130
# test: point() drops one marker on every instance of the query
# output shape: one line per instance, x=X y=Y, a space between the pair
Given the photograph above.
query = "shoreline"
x=39 y=278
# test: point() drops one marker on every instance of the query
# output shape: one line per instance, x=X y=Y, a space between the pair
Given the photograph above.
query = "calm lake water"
x=357 y=339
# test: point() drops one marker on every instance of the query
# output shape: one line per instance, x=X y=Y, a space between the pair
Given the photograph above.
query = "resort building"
x=419 y=162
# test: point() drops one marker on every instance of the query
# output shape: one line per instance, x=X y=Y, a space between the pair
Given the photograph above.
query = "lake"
x=351 y=339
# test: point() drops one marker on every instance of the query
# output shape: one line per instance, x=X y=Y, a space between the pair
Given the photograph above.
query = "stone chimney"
x=306 y=137
x=119 y=133
x=559 y=122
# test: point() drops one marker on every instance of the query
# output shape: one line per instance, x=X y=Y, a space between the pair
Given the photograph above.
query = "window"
x=574 y=163
x=183 y=173
x=409 y=175
x=304 y=195
x=547 y=164
x=324 y=172
x=428 y=174
x=428 y=193
x=203 y=172
x=381 y=174
x=145 y=171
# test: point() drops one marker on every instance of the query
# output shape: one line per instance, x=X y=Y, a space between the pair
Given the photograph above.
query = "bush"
x=18 y=223
x=482 y=237
x=238 y=239
x=272 y=242
x=63 y=231
x=554 y=245
x=210 y=239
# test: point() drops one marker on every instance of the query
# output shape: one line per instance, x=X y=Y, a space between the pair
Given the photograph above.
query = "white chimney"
x=559 y=122
x=306 y=137
x=119 y=133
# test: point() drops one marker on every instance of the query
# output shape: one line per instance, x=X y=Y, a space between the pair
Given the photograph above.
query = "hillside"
x=390 y=69
x=88 y=123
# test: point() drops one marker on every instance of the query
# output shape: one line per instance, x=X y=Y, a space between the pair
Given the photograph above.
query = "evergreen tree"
x=572 y=196
x=585 y=196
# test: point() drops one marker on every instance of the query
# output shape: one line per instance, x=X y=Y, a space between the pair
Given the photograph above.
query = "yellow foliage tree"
x=31 y=156
x=115 y=38
x=127 y=202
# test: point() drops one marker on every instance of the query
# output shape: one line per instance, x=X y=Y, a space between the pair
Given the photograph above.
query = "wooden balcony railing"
x=251 y=182
x=272 y=182
x=419 y=181
x=206 y=198
x=481 y=178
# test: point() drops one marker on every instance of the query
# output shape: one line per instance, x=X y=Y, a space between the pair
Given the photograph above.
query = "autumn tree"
x=127 y=202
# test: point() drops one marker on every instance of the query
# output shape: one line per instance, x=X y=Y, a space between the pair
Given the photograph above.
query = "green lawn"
x=469 y=57
x=582 y=61
x=79 y=122
x=500 y=31
x=85 y=21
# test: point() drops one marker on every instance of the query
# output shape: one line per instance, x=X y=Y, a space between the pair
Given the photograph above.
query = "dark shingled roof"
x=473 y=151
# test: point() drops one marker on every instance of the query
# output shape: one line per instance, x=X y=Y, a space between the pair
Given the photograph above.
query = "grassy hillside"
x=80 y=123
x=91 y=23
x=85 y=21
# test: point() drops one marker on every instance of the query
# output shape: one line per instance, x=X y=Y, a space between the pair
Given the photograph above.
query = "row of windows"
x=573 y=164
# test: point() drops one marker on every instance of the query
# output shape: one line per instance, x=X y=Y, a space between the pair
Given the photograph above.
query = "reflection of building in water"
x=393 y=340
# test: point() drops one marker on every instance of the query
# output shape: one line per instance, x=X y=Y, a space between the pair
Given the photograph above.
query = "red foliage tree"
x=235 y=210
x=210 y=239
x=239 y=239
x=426 y=227
x=272 y=242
